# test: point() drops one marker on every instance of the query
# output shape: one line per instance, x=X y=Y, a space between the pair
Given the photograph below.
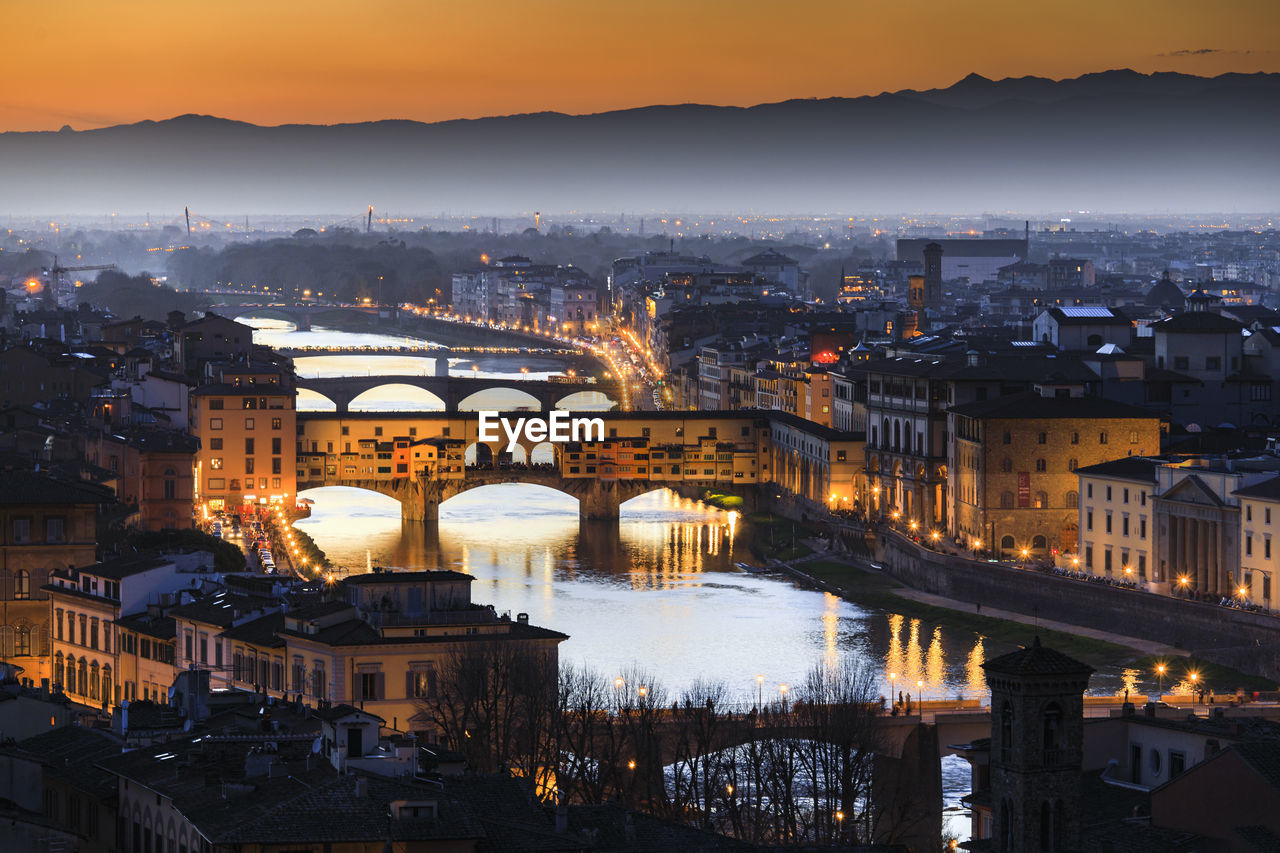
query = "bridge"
x=427 y=350
x=423 y=458
x=301 y=314
x=454 y=392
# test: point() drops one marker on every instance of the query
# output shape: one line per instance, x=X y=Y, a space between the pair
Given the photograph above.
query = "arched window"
x=170 y=484
x=897 y=435
x=1038 y=541
x=57 y=668
x=22 y=584
x=1094 y=340
x=1006 y=465
x=82 y=680
x=22 y=641
x=93 y=681
x=1042 y=438
x=1051 y=727
x=107 y=684
x=1006 y=542
x=1006 y=731
x=1042 y=500
x=1042 y=465
x=1006 y=500
x=1073 y=464
x=1073 y=499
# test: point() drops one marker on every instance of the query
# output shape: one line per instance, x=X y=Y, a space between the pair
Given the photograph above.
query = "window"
x=216 y=403
x=422 y=683
x=53 y=530
x=1008 y=437
x=275 y=423
x=249 y=423
x=1106 y=561
x=1126 y=496
x=1248 y=545
x=215 y=423
x=1075 y=438
x=1088 y=556
x=1108 y=493
x=1142 y=527
x=370 y=684
x=1073 y=500
x=1006 y=465
x=1041 y=465
x=22 y=584
x=1042 y=500
x=215 y=444
x=1108 y=522
x=1266 y=548
x=21 y=530
x=1133 y=436
x=248 y=465
x=1102 y=438
x=1042 y=438
x=1006 y=500
x=215 y=463
x=1213 y=362
x=1073 y=464
x=1124 y=525
x=248 y=447
x=1177 y=763
x=1088 y=519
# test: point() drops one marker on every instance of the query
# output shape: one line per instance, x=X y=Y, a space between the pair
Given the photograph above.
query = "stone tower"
x=1037 y=739
x=933 y=276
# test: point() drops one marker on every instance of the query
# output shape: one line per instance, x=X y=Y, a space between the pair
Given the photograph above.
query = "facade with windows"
x=1260 y=533
x=45 y=525
x=1117 y=511
x=380 y=642
x=1014 y=461
x=86 y=604
x=246 y=425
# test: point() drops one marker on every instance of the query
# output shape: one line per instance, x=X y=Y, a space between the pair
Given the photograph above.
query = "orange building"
x=246 y=424
x=154 y=472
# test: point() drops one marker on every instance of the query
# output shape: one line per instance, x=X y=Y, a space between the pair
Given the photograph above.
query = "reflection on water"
x=658 y=590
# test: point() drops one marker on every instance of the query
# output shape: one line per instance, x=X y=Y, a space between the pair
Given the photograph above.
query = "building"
x=86 y=604
x=1085 y=327
x=211 y=338
x=1260 y=560
x=975 y=260
x=245 y=422
x=1035 y=754
x=1015 y=458
x=1117 y=508
x=774 y=266
x=154 y=473
x=378 y=645
x=29 y=377
x=46 y=524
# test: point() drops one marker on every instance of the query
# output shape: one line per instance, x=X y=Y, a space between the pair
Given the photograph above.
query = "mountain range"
x=1112 y=141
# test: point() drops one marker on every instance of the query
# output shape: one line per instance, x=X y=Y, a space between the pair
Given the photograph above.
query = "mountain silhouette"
x=1112 y=141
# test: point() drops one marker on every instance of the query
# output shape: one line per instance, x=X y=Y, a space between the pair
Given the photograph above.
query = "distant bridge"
x=427 y=350
x=300 y=314
x=452 y=391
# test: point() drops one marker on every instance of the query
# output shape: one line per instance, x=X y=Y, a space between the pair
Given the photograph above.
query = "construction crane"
x=55 y=273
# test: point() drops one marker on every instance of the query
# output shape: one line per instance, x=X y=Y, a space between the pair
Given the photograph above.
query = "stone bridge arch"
x=421 y=399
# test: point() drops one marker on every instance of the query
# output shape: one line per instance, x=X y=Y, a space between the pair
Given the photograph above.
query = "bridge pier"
x=906 y=792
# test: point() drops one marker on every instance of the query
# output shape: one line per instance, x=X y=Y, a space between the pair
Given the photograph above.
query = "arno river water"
x=658 y=591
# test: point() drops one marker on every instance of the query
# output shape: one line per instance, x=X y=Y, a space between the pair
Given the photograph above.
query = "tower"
x=915 y=292
x=933 y=276
x=1037 y=742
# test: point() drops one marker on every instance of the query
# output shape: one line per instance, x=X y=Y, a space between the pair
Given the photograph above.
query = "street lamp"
x=759 y=690
x=1160 y=670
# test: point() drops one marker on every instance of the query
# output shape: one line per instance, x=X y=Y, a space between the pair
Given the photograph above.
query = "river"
x=658 y=591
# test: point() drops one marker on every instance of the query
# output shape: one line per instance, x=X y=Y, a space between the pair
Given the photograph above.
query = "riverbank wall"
x=1243 y=640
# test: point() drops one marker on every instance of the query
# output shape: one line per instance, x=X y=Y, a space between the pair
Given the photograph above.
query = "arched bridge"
x=420 y=497
x=454 y=390
x=301 y=314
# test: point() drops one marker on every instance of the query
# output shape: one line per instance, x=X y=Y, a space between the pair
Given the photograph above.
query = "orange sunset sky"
x=90 y=64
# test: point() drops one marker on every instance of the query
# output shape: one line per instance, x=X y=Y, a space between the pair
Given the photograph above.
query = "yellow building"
x=1013 y=464
x=246 y=423
x=88 y=602
x=1260 y=535
x=45 y=524
x=378 y=644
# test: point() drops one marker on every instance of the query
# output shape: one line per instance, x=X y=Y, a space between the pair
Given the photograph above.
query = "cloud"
x=1205 y=51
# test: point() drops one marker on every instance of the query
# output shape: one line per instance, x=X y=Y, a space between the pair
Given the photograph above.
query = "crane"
x=55 y=272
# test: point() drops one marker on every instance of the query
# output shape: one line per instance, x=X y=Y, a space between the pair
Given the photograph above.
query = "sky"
x=89 y=63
